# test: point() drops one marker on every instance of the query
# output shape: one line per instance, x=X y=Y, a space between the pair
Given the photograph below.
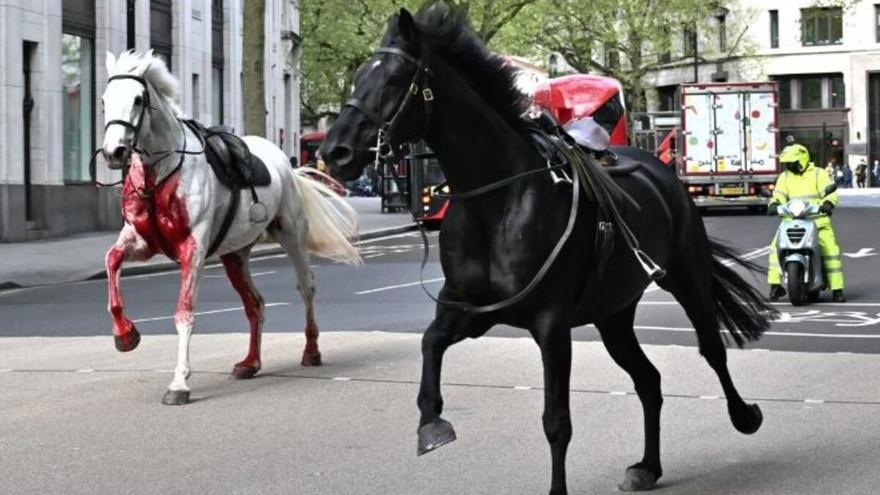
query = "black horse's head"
x=390 y=94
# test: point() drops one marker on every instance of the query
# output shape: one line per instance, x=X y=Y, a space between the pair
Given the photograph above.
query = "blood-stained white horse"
x=174 y=204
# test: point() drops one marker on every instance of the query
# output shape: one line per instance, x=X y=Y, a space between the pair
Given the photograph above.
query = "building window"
x=821 y=26
x=838 y=92
x=612 y=58
x=689 y=42
x=160 y=29
x=722 y=32
x=666 y=101
x=774 y=29
x=130 y=25
x=811 y=92
x=877 y=23
x=78 y=87
x=217 y=61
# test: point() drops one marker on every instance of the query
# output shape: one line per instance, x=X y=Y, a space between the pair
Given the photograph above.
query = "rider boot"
x=777 y=292
x=838 y=296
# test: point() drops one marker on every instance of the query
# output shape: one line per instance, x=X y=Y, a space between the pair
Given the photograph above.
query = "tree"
x=340 y=35
x=252 y=67
x=624 y=39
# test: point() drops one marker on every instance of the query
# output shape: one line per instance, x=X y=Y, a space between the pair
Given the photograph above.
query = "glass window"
x=811 y=92
x=666 y=98
x=722 y=33
x=784 y=85
x=877 y=23
x=821 y=26
x=838 y=92
x=217 y=95
x=774 y=29
x=689 y=42
x=77 y=67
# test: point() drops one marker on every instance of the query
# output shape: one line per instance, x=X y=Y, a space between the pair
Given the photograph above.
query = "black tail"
x=740 y=307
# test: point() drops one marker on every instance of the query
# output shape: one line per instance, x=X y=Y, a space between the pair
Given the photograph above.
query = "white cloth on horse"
x=588 y=133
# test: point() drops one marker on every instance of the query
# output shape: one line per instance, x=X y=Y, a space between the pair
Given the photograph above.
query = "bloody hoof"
x=435 y=435
x=129 y=341
x=311 y=359
x=748 y=419
x=244 y=371
x=175 y=397
x=639 y=478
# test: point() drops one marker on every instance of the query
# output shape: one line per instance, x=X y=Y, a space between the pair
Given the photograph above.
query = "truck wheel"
x=796 y=292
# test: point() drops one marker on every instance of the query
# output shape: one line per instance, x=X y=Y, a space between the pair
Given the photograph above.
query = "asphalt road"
x=384 y=295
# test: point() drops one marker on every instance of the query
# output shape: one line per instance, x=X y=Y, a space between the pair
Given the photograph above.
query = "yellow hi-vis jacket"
x=809 y=186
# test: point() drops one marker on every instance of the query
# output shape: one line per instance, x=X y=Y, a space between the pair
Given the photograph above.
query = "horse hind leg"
x=291 y=236
x=620 y=341
x=694 y=291
x=238 y=272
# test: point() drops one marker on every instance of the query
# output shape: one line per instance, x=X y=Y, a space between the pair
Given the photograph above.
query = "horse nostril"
x=119 y=152
x=340 y=155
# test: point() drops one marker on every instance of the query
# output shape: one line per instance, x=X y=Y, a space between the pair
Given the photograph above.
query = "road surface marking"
x=775 y=334
x=400 y=286
x=212 y=312
x=341 y=379
x=709 y=397
x=616 y=392
x=521 y=387
x=6 y=370
x=814 y=401
x=86 y=370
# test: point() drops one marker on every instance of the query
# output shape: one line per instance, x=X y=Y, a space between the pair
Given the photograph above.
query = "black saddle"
x=230 y=158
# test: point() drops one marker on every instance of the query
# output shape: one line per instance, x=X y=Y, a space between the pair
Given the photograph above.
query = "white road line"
x=374 y=255
x=616 y=392
x=521 y=387
x=6 y=370
x=341 y=379
x=86 y=370
x=775 y=334
x=400 y=286
x=830 y=304
x=814 y=401
x=212 y=312
x=709 y=397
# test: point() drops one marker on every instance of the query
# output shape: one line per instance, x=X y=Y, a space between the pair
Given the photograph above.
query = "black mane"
x=446 y=32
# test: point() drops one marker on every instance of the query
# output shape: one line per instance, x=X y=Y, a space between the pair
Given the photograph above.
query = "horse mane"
x=446 y=32
x=153 y=69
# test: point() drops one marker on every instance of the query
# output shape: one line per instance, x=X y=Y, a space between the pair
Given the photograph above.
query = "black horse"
x=432 y=78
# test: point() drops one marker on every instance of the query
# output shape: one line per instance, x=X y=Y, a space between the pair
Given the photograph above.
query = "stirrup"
x=556 y=175
x=653 y=271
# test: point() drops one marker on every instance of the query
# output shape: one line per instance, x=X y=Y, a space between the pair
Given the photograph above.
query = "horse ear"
x=110 y=63
x=407 y=26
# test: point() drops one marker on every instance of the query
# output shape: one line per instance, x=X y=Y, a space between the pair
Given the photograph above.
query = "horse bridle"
x=386 y=149
x=136 y=131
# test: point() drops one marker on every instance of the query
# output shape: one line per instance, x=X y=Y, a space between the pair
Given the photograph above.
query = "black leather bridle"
x=388 y=148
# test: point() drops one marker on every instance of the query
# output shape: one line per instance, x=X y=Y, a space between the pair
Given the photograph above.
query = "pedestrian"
x=861 y=173
x=875 y=170
x=847 y=176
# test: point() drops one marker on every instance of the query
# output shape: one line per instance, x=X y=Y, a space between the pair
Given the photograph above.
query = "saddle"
x=230 y=158
x=584 y=132
x=236 y=168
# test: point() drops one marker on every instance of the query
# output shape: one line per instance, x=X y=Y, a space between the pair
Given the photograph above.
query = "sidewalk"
x=81 y=256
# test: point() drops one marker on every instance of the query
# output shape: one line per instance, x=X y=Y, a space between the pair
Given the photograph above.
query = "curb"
x=257 y=253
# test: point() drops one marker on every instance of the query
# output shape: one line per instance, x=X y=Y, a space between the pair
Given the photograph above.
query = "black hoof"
x=639 y=478
x=244 y=372
x=747 y=420
x=175 y=397
x=434 y=435
x=129 y=342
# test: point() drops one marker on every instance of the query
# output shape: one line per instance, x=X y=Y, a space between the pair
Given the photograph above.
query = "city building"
x=52 y=75
x=825 y=59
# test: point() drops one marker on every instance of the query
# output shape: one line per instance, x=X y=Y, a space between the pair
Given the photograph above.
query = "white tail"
x=332 y=221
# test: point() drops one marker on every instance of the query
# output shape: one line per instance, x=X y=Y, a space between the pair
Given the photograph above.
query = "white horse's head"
x=138 y=87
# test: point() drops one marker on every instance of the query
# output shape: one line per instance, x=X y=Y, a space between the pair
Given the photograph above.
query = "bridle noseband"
x=387 y=149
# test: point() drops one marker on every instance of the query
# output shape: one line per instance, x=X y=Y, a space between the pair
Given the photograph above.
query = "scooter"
x=797 y=247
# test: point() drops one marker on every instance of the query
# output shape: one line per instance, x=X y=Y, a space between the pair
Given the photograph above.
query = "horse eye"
x=138 y=100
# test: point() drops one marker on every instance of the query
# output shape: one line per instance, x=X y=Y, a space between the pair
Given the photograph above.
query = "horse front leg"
x=448 y=327
x=191 y=264
x=555 y=343
x=129 y=246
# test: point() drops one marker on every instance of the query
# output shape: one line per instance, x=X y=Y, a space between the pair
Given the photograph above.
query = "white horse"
x=174 y=204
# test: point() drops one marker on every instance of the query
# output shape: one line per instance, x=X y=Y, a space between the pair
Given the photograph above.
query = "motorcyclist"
x=801 y=179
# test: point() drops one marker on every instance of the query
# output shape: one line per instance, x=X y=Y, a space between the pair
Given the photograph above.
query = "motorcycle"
x=797 y=247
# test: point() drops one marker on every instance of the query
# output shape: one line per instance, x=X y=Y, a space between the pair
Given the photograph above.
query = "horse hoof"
x=747 y=420
x=129 y=341
x=311 y=359
x=244 y=371
x=175 y=397
x=638 y=479
x=435 y=435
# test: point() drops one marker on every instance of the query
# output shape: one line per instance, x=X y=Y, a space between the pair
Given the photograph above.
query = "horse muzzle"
x=117 y=157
